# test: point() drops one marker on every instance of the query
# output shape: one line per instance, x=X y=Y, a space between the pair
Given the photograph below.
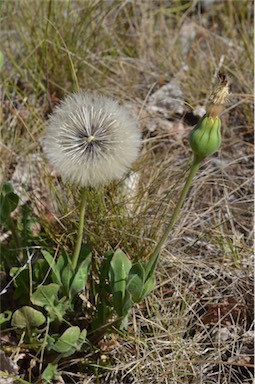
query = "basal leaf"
x=67 y=342
x=7 y=188
x=50 y=373
x=148 y=286
x=46 y=295
x=22 y=284
x=119 y=268
x=80 y=278
x=135 y=282
x=66 y=271
x=27 y=317
x=8 y=203
x=55 y=272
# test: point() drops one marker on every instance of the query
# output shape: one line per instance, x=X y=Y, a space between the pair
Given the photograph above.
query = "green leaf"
x=135 y=282
x=84 y=253
x=8 y=201
x=150 y=272
x=27 y=317
x=45 y=295
x=26 y=224
x=68 y=341
x=119 y=268
x=127 y=304
x=80 y=278
x=66 y=271
x=148 y=286
x=83 y=336
x=8 y=204
x=5 y=316
x=50 y=373
x=22 y=284
x=62 y=271
x=7 y=188
x=55 y=272
x=39 y=268
x=13 y=201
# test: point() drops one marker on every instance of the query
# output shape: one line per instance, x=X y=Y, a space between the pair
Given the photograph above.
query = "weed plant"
x=97 y=316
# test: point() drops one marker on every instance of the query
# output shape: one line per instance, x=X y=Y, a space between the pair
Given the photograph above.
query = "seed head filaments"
x=91 y=139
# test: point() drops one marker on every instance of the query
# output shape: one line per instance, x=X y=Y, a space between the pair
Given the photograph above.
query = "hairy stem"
x=80 y=229
x=155 y=254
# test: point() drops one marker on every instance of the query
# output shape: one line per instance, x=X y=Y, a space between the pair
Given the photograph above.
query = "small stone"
x=167 y=101
x=199 y=111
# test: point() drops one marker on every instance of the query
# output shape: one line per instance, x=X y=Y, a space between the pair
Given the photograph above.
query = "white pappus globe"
x=91 y=139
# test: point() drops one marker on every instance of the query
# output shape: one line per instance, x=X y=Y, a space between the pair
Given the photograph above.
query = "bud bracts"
x=205 y=138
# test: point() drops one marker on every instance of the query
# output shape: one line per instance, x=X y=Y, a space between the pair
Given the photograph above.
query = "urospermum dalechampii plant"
x=91 y=139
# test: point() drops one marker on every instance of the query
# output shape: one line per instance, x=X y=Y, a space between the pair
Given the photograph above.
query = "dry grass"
x=194 y=327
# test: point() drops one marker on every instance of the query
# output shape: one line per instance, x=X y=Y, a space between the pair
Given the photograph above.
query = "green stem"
x=154 y=256
x=80 y=229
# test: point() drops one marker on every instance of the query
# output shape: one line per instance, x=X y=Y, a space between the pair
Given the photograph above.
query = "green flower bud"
x=205 y=138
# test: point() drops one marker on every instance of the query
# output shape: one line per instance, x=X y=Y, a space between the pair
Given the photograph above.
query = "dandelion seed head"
x=91 y=139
